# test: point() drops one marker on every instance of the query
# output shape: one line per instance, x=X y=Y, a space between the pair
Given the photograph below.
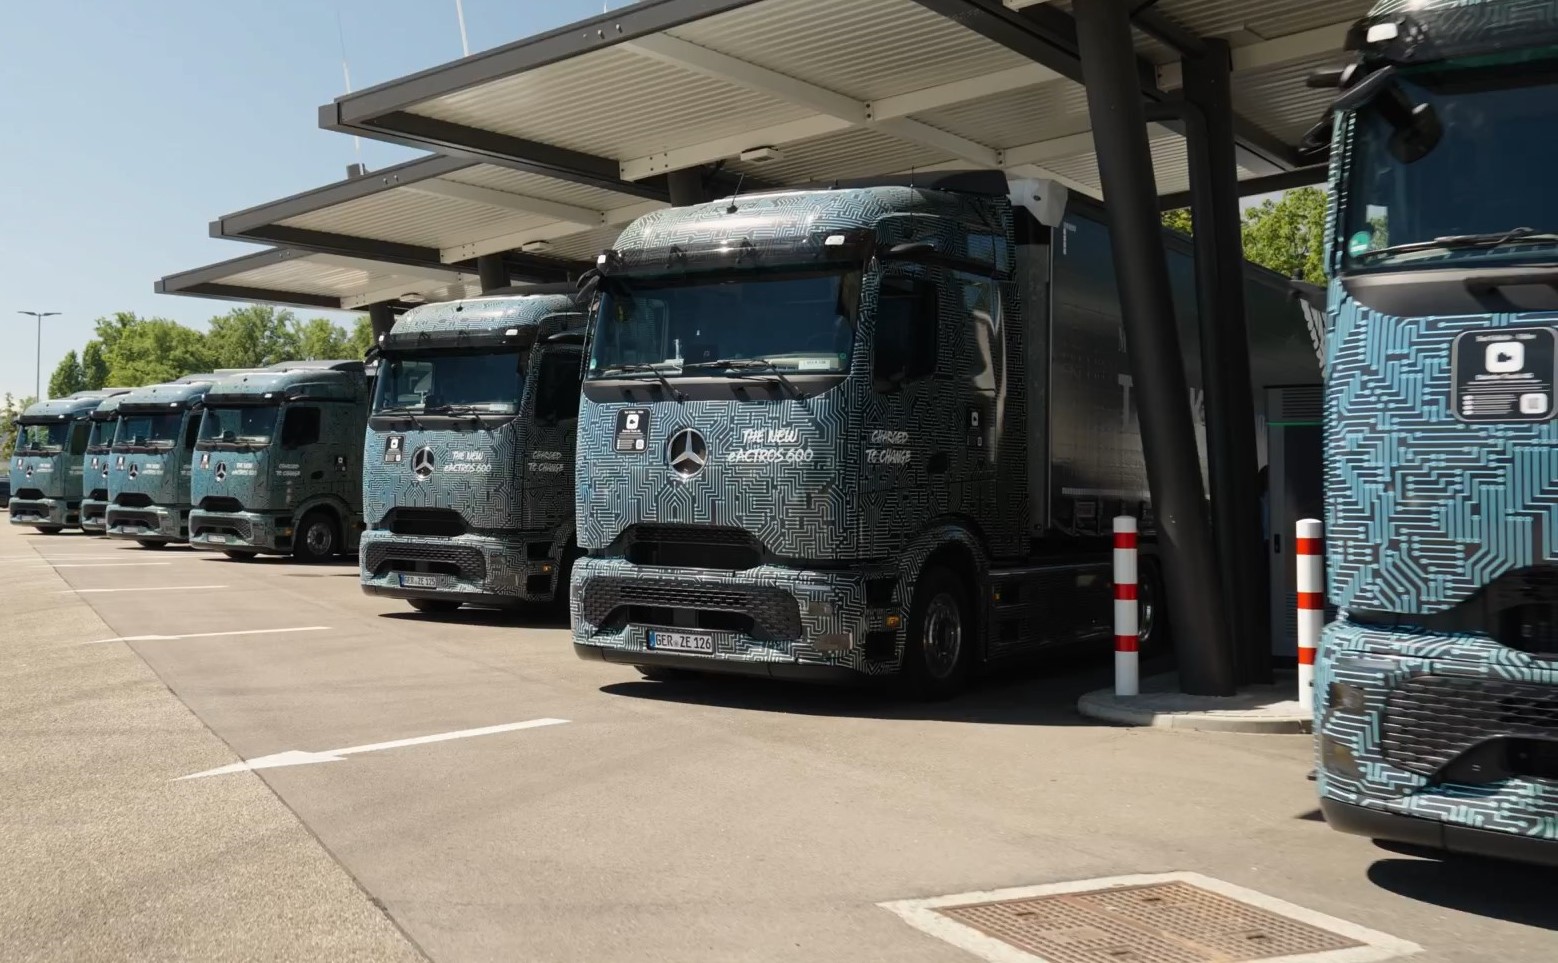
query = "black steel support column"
x=686 y=186
x=1184 y=537
x=1225 y=354
x=380 y=320
x=492 y=272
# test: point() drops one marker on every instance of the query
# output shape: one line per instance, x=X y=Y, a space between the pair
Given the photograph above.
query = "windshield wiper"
x=401 y=410
x=654 y=369
x=1490 y=240
x=749 y=364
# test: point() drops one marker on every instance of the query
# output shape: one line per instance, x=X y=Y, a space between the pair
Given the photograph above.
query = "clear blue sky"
x=128 y=126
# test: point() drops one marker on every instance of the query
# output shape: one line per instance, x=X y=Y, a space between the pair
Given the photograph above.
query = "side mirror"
x=1363 y=91
x=1418 y=135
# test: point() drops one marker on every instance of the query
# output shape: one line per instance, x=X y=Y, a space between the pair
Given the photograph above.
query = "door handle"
x=938 y=463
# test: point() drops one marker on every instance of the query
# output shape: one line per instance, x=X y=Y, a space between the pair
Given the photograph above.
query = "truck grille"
x=28 y=494
x=429 y=522
x=1430 y=720
x=133 y=499
x=220 y=503
x=98 y=495
x=93 y=513
x=234 y=527
x=763 y=612
x=118 y=518
x=692 y=546
x=464 y=561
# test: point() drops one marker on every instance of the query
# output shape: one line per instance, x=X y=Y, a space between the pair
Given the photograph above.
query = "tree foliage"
x=67 y=377
x=129 y=351
x=10 y=409
x=1286 y=235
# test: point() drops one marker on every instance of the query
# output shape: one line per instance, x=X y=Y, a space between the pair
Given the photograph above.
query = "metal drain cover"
x=1171 y=918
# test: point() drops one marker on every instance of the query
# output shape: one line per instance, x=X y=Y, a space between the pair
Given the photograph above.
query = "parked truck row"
x=871 y=429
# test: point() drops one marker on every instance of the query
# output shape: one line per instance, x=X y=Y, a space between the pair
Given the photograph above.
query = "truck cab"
x=151 y=458
x=1436 y=695
x=468 y=463
x=278 y=461
x=94 y=501
x=46 y=465
x=873 y=430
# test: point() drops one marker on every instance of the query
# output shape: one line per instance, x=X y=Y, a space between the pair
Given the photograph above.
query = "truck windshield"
x=793 y=322
x=1479 y=195
x=102 y=435
x=41 y=437
x=148 y=432
x=451 y=383
x=250 y=426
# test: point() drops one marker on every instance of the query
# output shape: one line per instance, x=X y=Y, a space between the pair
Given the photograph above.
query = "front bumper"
x=769 y=620
x=241 y=531
x=155 y=523
x=1404 y=722
x=94 y=516
x=42 y=511
x=473 y=569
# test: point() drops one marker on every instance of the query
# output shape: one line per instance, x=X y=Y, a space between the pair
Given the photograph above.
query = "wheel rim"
x=319 y=538
x=942 y=643
x=1146 y=607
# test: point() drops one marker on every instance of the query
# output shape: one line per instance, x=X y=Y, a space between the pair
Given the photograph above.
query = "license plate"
x=419 y=581
x=698 y=642
x=216 y=538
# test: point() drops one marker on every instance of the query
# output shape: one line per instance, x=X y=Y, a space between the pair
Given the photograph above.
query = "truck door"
x=907 y=456
x=549 y=442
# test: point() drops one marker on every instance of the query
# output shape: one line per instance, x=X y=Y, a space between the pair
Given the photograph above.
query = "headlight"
x=1345 y=698
x=1336 y=756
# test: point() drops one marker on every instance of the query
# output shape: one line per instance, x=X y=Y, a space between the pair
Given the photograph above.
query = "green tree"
x=67 y=377
x=1286 y=235
x=153 y=350
x=362 y=336
x=320 y=338
x=251 y=337
x=94 y=367
x=10 y=410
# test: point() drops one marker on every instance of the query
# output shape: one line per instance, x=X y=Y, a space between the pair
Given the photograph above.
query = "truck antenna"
x=740 y=177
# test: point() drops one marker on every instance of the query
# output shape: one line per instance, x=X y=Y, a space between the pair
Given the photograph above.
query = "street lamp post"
x=37 y=376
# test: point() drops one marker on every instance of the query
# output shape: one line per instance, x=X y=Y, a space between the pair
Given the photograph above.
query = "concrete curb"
x=1258 y=711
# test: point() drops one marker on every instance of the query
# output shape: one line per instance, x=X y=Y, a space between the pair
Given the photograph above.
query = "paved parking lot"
x=713 y=820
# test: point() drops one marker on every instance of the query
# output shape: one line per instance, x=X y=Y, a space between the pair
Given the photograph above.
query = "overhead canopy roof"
x=445 y=211
x=841 y=88
x=313 y=280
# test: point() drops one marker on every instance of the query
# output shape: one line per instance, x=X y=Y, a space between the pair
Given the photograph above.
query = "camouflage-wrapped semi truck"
x=46 y=465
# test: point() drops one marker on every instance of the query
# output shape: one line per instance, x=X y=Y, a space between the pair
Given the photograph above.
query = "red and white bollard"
x=1310 y=549
x=1127 y=625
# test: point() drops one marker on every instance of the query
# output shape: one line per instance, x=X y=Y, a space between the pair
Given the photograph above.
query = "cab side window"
x=78 y=437
x=191 y=429
x=300 y=427
x=557 y=386
x=904 y=345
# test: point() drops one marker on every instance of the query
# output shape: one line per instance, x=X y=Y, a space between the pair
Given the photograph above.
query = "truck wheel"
x=317 y=537
x=1151 y=610
x=434 y=606
x=50 y=529
x=241 y=556
x=148 y=543
x=940 y=639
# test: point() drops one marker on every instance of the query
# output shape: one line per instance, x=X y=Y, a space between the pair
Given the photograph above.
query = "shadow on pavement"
x=1042 y=692
x=520 y=618
x=1514 y=892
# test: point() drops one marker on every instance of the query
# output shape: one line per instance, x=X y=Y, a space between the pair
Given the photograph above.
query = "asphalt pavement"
x=570 y=811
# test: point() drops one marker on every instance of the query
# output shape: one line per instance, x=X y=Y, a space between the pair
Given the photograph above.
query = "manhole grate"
x=1169 y=922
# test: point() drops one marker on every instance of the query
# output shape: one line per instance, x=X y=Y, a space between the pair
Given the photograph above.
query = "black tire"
x=238 y=556
x=1151 y=610
x=148 y=543
x=50 y=529
x=434 y=606
x=317 y=538
x=941 y=636
x=660 y=673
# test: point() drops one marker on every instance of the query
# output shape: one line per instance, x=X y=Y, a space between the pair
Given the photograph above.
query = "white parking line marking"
x=50 y=558
x=150 y=588
x=299 y=757
x=109 y=564
x=208 y=635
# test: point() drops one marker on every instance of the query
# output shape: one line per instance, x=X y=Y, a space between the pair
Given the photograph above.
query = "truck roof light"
x=834 y=240
x=1382 y=32
x=510 y=332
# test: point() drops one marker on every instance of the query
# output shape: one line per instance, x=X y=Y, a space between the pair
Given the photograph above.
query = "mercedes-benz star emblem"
x=134 y=469
x=422 y=461
x=28 y=472
x=221 y=471
x=687 y=452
